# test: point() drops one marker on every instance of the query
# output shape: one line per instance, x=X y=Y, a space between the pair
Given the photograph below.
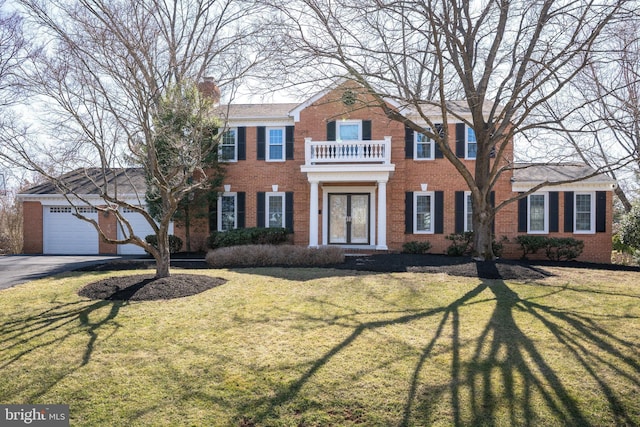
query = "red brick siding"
x=32 y=227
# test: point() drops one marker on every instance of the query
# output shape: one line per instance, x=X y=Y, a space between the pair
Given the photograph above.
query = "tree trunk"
x=163 y=258
x=482 y=230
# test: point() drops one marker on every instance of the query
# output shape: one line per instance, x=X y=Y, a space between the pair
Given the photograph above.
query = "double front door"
x=349 y=219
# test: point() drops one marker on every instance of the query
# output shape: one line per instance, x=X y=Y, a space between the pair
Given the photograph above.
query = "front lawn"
x=290 y=347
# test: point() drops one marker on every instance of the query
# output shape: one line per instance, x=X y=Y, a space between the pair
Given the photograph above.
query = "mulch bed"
x=145 y=287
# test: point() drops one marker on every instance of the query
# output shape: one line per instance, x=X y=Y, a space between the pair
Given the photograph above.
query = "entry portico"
x=353 y=178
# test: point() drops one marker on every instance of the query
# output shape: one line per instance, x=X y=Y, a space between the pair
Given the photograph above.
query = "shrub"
x=416 y=247
x=461 y=243
x=630 y=227
x=175 y=243
x=498 y=246
x=619 y=246
x=248 y=236
x=273 y=255
x=563 y=248
x=531 y=244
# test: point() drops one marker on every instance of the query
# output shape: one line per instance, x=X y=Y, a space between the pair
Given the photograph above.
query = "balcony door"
x=349 y=218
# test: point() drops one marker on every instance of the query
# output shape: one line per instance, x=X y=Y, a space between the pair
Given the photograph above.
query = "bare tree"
x=507 y=59
x=106 y=75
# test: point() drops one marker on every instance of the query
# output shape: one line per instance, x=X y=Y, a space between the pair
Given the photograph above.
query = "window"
x=349 y=130
x=227 y=212
x=584 y=219
x=423 y=146
x=229 y=146
x=275 y=210
x=471 y=145
x=468 y=211
x=538 y=218
x=275 y=144
x=423 y=203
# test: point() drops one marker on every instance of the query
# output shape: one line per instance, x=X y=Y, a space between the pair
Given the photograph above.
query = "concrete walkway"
x=16 y=269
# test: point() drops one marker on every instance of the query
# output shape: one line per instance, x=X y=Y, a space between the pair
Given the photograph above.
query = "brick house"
x=337 y=172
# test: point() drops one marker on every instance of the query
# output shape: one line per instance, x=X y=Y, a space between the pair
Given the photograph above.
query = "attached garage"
x=65 y=234
x=141 y=228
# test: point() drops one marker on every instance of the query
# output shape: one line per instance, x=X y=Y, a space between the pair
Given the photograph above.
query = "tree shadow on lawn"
x=507 y=373
x=45 y=330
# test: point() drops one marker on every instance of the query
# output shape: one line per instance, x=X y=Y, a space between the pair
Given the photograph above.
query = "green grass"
x=293 y=347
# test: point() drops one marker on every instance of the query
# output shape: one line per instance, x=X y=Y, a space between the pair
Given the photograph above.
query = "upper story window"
x=349 y=130
x=471 y=145
x=227 y=212
x=423 y=147
x=275 y=144
x=584 y=208
x=537 y=206
x=228 y=150
x=423 y=211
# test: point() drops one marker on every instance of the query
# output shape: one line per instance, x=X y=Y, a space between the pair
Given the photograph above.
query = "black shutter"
x=440 y=131
x=241 y=203
x=213 y=214
x=261 y=140
x=408 y=142
x=460 y=139
x=408 y=212
x=260 y=211
x=288 y=215
x=459 y=212
x=601 y=211
x=289 y=142
x=331 y=131
x=366 y=130
x=568 y=211
x=554 y=212
x=242 y=143
x=439 y=213
x=522 y=215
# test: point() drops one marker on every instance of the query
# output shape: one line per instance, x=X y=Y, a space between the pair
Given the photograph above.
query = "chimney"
x=209 y=89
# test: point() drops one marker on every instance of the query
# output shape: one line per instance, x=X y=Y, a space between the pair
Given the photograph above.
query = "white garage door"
x=63 y=233
x=141 y=228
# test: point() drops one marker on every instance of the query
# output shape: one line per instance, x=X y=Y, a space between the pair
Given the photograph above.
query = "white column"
x=313 y=215
x=382 y=216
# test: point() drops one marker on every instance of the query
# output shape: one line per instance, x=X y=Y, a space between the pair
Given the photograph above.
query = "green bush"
x=416 y=247
x=531 y=244
x=461 y=243
x=498 y=246
x=563 y=248
x=175 y=243
x=248 y=236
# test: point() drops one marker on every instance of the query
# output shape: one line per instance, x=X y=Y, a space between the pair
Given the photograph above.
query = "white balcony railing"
x=317 y=152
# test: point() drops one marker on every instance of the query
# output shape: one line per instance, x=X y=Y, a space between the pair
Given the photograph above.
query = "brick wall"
x=32 y=227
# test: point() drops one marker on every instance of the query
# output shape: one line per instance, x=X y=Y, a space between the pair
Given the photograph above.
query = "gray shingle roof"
x=256 y=111
x=93 y=181
x=530 y=172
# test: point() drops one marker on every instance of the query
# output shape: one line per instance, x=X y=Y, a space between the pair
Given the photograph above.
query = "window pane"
x=583 y=212
x=275 y=211
x=348 y=132
x=228 y=212
x=228 y=145
x=536 y=212
x=469 y=208
x=471 y=143
x=423 y=147
x=423 y=213
x=275 y=144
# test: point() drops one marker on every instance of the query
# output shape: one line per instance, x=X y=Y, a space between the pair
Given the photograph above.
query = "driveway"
x=16 y=269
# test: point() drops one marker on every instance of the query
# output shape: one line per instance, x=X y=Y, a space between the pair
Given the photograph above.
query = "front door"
x=349 y=219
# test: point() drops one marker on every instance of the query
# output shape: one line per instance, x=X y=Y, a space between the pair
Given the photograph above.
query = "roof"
x=526 y=175
x=124 y=181
x=257 y=111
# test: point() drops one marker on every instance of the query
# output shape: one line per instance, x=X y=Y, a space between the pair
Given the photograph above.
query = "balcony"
x=347 y=152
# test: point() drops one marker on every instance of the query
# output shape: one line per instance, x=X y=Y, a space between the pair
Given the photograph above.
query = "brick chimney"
x=209 y=89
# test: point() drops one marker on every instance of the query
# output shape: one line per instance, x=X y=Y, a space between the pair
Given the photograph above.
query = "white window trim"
x=268 y=143
x=235 y=145
x=415 y=211
x=415 y=147
x=268 y=195
x=349 y=122
x=467 y=209
x=235 y=209
x=466 y=143
x=592 y=225
x=546 y=213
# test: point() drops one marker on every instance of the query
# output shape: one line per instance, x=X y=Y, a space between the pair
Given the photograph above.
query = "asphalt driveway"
x=16 y=269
